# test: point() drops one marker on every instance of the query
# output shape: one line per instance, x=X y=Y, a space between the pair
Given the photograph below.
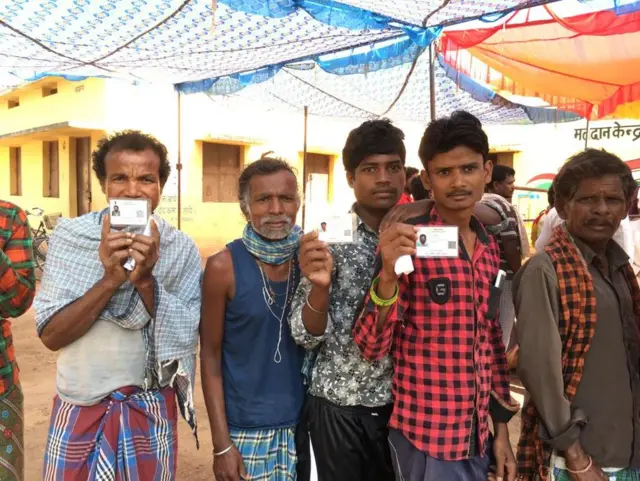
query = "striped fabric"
x=507 y=313
x=170 y=333
x=268 y=454
x=17 y=285
x=132 y=435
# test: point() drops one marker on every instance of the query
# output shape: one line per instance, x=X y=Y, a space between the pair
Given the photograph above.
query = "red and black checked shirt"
x=17 y=285
x=449 y=357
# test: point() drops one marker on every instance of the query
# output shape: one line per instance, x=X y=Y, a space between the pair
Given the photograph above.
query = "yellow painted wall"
x=83 y=107
x=33 y=178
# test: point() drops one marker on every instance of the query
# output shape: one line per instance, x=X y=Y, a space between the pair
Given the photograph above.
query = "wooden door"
x=317 y=179
x=83 y=174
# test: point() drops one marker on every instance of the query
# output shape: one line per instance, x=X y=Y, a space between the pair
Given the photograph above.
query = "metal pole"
x=304 y=166
x=432 y=83
x=586 y=138
x=179 y=161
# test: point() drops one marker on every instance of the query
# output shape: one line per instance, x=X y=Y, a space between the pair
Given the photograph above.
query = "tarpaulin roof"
x=226 y=45
x=176 y=41
x=370 y=95
x=587 y=63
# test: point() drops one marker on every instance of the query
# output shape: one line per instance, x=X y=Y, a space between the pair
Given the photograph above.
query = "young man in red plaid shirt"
x=440 y=323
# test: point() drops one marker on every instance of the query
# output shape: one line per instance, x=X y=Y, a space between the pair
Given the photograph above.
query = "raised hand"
x=396 y=241
x=146 y=251
x=113 y=252
x=316 y=262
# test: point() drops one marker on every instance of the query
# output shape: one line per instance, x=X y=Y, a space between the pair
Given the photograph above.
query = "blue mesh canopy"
x=345 y=58
x=182 y=40
x=369 y=95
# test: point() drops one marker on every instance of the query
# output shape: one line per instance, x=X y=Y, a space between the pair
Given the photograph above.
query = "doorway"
x=316 y=187
x=83 y=174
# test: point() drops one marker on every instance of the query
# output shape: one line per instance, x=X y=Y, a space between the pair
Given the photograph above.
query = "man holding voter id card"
x=120 y=303
x=350 y=398
x=435 y=311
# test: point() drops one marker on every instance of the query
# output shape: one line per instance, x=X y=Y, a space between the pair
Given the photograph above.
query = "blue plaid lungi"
x=268 y=454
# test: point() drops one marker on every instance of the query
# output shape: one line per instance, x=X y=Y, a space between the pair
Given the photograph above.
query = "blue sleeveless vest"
x=258 y=391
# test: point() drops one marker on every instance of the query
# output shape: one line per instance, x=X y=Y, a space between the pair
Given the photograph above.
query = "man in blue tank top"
x=251 y=367
x=350 y=398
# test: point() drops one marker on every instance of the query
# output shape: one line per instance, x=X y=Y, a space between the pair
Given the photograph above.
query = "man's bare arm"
x=72 y=322
x=216 y=285
x=512 y=252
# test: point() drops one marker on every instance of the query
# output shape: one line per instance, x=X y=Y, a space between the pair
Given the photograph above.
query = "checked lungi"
x=129 y=436
x=619 y=475
x=268 y=454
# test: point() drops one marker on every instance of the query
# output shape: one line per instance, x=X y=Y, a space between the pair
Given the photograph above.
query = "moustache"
x=459 y=192
x=275 y=218
x=599 y=222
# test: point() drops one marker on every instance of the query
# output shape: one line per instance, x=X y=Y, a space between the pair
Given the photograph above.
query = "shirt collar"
x=474 y=223
x=361 y=225
x=616 y=255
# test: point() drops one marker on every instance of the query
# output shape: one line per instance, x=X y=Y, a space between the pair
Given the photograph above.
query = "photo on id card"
x=440 y=241
x=129 y=212
x=336 y=229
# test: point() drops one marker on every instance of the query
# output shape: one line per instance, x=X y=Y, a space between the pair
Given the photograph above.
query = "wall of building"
x=79 y=103
x=540 y=151
x=33 y=177
x=111 y=105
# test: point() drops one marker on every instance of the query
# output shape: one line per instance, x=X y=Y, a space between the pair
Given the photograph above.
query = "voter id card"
x=129 y=212
x=437 y=241
x=337 y=229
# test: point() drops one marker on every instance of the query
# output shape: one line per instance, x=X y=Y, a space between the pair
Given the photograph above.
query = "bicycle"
x=40 y=235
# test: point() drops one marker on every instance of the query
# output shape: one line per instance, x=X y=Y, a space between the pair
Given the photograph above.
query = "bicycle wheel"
x=40 y=249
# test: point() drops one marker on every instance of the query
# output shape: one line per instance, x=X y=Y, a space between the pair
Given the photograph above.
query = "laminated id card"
x=337 y=229
x=129 y=212
x=437 y=241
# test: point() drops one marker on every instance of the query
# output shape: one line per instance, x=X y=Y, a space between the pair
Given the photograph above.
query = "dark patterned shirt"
x=340 y=374
x=448 y=353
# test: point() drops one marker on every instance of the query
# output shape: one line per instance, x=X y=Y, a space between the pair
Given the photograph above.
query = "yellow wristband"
x=377 y=300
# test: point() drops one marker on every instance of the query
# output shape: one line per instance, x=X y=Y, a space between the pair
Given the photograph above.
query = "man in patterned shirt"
x=17 y=288
x=439 y=322
x=350 y=400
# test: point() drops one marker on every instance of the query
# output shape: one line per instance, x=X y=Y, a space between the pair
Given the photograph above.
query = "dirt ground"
x=37 y=373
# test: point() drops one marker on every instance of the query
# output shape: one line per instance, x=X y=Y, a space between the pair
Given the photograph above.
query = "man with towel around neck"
x=251 y=366
x=126 y=340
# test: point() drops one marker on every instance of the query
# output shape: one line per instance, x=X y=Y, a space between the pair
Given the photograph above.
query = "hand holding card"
x=316 y=262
